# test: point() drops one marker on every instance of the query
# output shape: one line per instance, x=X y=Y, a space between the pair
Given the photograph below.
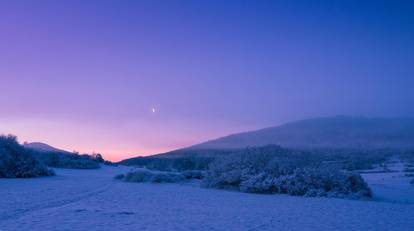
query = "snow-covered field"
x=92 y=200
x=392 y=186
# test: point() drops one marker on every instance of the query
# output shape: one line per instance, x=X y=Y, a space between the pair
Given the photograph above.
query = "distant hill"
x=197 y=155
x=330 y=132
x=57 y=158
x=38 y=146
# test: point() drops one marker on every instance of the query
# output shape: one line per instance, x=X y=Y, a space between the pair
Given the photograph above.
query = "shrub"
x=99 y=158
x=67 y=160
x=170 y=164
x=143 y=175
x=200 y=159
x=224 y=172
x=354 y=159
x=407 y=156
x=110 y=163
x=119 y=176
x=257 y=172
x=18 y=162
x=193 y=174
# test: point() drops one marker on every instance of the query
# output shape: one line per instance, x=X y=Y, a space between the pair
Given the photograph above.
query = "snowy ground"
x=393 y=186
x=92 y=200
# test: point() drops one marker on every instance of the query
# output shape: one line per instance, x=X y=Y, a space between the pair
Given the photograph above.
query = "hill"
x=330 y=132
x=346 y=134
x=38 y=146
x=54 y=157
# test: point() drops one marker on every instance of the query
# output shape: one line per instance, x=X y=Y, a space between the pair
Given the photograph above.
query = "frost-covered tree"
x=144 y=175
x=276 y=170
x=16 y=161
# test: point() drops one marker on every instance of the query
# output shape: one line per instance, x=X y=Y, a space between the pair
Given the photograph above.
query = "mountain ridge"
x=43 y=147
x=325 y=132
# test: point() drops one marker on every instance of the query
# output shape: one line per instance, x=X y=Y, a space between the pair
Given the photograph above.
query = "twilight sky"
x=85 y=75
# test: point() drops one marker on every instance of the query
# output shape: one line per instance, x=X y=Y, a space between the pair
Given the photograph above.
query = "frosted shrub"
x=119 y=177
x=17 y=162
x=264 y=173
x=257 y=183
x=143 y=175
x=408 y=169
x=185 y=163
x=67 y=160
x=193 y=174
x=224 y=173
x=77 y=162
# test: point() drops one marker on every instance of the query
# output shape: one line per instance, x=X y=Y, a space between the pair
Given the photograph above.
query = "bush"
x=18 y=162
x=110 y=163
x=354 y=159
x=200 y=159
x=67 y=160
x=409 y=165
x=99 y=158
x=119 y=176
x=193 y=174
x=170 y=164
x=275 y=172
x=143 y=175
x=407 y=156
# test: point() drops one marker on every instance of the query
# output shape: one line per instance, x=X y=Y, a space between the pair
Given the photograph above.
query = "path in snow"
x=20 y=196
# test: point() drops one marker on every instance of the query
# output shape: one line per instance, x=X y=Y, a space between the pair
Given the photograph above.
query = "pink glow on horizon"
x=114 y=141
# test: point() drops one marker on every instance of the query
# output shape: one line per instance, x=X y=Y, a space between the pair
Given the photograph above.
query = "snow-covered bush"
x=408 y=157
x=257 y=172
x=119 y=176
x=409 y=165
x=225 y=172
x=193 y=174
x=170 y=164
x=143 y=175
x=99 y=158
x=353 y=158
x=67 y=160
x=18 y=162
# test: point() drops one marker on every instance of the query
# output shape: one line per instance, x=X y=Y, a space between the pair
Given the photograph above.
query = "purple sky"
x=84 y=75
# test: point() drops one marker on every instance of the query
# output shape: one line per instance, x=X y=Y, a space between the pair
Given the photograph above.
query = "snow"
x=391 y=186
x=92 y=200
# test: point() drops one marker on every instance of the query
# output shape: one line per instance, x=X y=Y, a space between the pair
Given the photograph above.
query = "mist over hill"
x=340 y=132
x=329 y=132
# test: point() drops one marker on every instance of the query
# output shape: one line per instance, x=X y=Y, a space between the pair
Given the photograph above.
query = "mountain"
x=329 y=132
x=38 y=146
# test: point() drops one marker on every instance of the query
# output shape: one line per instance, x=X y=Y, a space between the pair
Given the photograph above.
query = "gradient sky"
x=84 y=75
